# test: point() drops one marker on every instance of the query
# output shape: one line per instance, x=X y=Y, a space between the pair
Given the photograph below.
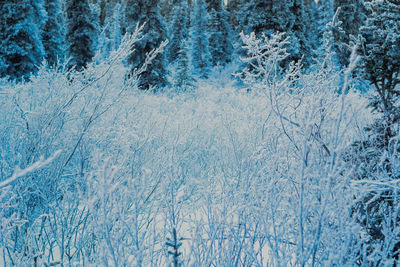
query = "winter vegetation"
x=200 y=133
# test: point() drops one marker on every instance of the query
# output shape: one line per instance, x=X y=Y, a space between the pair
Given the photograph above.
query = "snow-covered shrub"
x=67 y=110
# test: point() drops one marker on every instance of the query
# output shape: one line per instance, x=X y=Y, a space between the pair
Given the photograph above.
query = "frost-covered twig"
x=37 y=165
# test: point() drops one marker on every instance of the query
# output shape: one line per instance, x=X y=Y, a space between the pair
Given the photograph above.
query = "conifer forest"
x=215 y=133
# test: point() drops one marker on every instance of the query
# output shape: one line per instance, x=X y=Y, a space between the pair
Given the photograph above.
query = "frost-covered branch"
x=18 y=173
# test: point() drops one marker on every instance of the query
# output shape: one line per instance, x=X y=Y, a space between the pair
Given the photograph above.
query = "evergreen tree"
x=301 y=32
x=178 y=49
x=377 y=157
x=265 y=16
x=81 y=33
x=111 y=34
x=53 y=32
x=167 y=9
x=270 y=16
x=233 y=8
x=200 y=39
x=182 y=78
x=380 y=46
x=324 y=12
x=21 y=48
x=147 y=11
x=179 y=30
x=352 y=16
x=220 y=41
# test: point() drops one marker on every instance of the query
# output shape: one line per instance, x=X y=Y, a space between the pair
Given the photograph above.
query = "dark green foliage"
x=380 y=46
x=148 y=12
x=271 y=16
x=21 y=48
x=200 y=39
x=53 y=32
x=351 y=16
x=179 y=30
x=220 y=34
x=81 y=33
x=376 y=157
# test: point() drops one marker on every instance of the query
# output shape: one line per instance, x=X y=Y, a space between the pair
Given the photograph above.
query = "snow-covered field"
x=256 y=172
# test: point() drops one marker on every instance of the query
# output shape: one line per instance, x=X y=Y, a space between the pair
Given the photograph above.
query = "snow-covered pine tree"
x=376 y=158
x=21 y=48
x=301 y=32
x=352 y=16
x=167 y=9
x=233 y=7
x=264 y=16
x=178 y=48
x=182 y=76
x=324 y=13
x=269 y=16
x=179 y=30
x=380 y=51
x=200 y=39
x=220 y=41
x=148 y=12
x=53 y=35
x=81 y=33
x=111 y=33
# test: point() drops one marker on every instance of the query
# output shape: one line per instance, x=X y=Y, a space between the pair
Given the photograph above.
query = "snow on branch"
x=37 y=165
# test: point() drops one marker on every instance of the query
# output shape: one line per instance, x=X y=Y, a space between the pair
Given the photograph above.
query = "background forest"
x=199 y=133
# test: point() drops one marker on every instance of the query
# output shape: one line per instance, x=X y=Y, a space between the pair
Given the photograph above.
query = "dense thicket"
x=377 y=154
x=294 y=160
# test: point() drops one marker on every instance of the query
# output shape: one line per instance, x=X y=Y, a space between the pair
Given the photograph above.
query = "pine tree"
x=380 y=46
x=220 y=41
x=352 y=16
x=377 y=157
x=81 y=33
x=233 y=8
x=323 y=16
x=111 y=33
x=269 y=16
x=178 y=48
x=182 y=78
x=53 y=35
x=179 y=30
x=21 y=48
x=301 y=31
x=167 y=9
x=200 y=39
x=148 y=12
x=265 y=16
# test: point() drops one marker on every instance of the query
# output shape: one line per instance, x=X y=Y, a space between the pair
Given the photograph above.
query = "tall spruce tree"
x=220 y=41
x=270 y=16
x=377 y=156
x=178 y=49
x=200 y=39
x=111 y=32
x=352 y=16
x=179 y=30
x=264 y=16
x=233 y=8
x=380 y=51
x=53 y=36
x=21 y=48
x=301 y=32
x=81 y=33
x=148 y=12
x=323 y=16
